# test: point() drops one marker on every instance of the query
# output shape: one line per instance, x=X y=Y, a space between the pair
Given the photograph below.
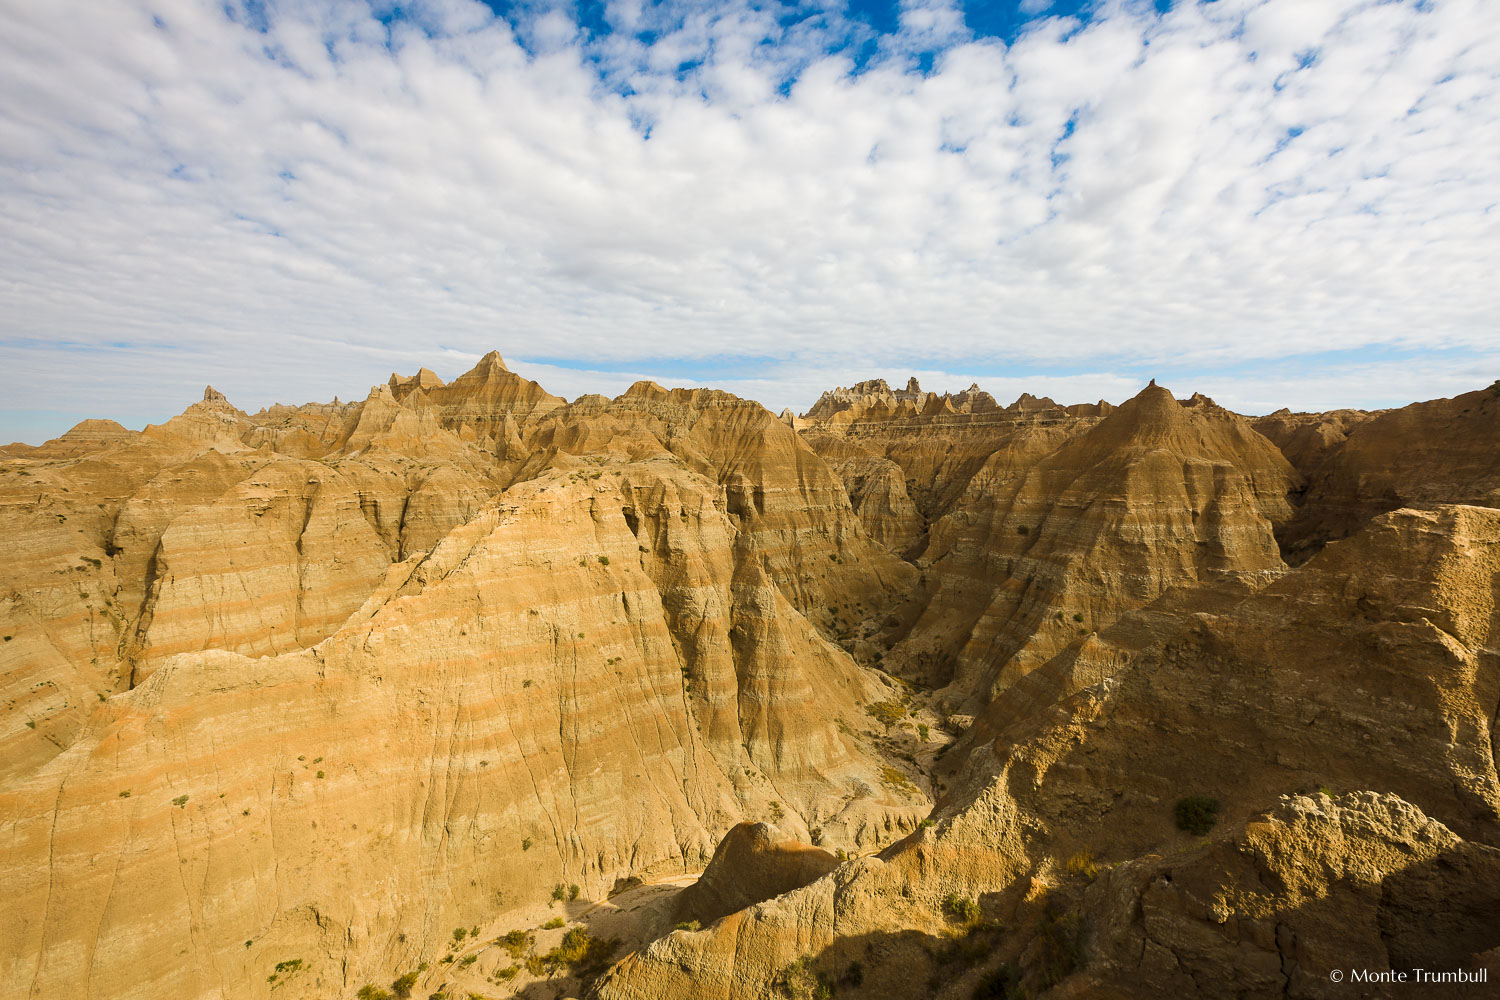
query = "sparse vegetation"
x=887 y=713
x=526 y=843
x=467 y=961
x=125 y=794
x=372 y=992
x=1021 y=529
x=518 y=943
x=604 y=560
x=404 y=983
x=1082 y=864
x=922 y=731
x=285 y=970
x=559 y=892
x=574 y=892
x=895 y=778
x=963 y=909
x=798 y=981
x=1196 y=814
x=180 y=801
x=459 y=933
x=689 y=925
x=579 y=951
x=508 y=973
x=553 y=924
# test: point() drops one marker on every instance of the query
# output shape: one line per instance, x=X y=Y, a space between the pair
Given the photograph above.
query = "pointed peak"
x=490 y=362
x=212 y=395
x=913 y=386
x=645 y=387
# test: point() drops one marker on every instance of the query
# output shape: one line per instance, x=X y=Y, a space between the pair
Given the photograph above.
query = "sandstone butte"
x=464 y=690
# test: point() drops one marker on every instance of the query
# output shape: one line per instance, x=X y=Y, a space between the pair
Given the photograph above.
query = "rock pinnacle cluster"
x=466 y=690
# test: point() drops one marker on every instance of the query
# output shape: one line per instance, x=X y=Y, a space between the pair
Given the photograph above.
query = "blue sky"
x=1276 y=202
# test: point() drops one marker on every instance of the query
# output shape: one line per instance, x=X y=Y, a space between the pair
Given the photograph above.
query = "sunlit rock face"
x=918 y=679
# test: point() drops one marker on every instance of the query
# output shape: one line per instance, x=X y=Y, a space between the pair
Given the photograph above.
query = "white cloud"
x=305 y=209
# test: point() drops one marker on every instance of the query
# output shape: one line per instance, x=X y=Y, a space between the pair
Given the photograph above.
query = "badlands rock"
x=1060 y=827
x=332 y=707
x=1041 y=551
x=1440 y=451
x=752 y=863
x=313 y=686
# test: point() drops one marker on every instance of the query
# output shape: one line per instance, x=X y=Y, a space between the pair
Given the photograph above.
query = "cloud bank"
x=1293 y=202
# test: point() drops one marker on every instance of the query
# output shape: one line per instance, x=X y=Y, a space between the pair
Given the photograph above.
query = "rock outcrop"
x=1073 y=700
x=751 y=864
x=1057 y=864
x=302 y=700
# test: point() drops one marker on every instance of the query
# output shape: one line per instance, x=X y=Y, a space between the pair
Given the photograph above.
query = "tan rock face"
x=1059 y=533
x=312 y=687
x=1440 y=451
x=751 y=864
x=332 y=707
x=1061 y=826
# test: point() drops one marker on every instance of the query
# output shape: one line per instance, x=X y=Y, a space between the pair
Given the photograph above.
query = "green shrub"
x=1021 y=529
x=560 y=892
x=553 y=924
x=508 y=973
x=798 y=981
x=579 y=950
x=689 y=925
x=922 y=731
x=1083 y=864
x=1077 y=617
x=467 y=960
x=887 y=713
x=964 y=909
x=604 y=560
x=526 y=843
x=180 y=801
x=516 y=942
x=459 y=933
x=369 y=992
x=404 y=983
x=1196 y=814
x=894 y=778
x=573 y=892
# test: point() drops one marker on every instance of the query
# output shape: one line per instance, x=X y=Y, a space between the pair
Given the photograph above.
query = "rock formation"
x=942 y=697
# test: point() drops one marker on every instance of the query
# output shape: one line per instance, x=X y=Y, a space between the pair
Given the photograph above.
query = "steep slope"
x=1039 y=553
x=1440 y=451
x=1370 y=674
x=906 y=457
x=322 y=704
x=454 y=750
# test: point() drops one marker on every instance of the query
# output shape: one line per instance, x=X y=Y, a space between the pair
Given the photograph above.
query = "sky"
x=1274 y=202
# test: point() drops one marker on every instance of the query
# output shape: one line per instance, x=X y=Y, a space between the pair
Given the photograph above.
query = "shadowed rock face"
x=324 y=682
x=1060 y=825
